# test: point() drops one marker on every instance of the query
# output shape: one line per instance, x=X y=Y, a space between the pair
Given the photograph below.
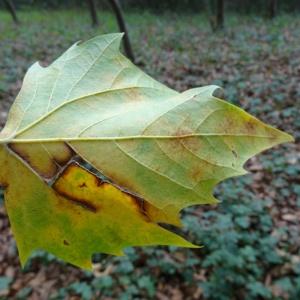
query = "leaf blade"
x=168 y=148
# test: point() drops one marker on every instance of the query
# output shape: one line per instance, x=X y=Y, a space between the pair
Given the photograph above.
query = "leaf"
x=169 y=149
x=79 y=216
x=4 y=283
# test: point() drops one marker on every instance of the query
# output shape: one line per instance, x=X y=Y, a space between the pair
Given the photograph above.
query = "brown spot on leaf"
x=141 y=206
x=25 y=153
x=98 y=181
x=250 y=126
x=196 y=174
x=54 y=156
x=4 y=185
x=234 y=153
x=87 y=205
x=68 y=188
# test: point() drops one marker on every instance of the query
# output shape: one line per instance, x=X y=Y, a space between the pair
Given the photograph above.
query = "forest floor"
x=252 y=239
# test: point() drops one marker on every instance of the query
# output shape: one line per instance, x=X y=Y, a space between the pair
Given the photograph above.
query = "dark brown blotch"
x=234 y=153
x=17 y=149
x=66 y=243
x=141 y=205
x=250 y=126
x=4 y=185
x=82 y=185
x=98 y=181
x=87 y=205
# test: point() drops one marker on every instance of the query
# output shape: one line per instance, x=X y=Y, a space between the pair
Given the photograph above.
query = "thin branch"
x=11 y=8
x=93 y=12
x=122 y=25
x=272 y=9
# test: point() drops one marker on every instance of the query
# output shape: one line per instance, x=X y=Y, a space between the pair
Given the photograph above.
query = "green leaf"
x=161 y=150
x=258 y=289
x=103 y=282
x=82 y=289
x=5 y=282
x=145 y=282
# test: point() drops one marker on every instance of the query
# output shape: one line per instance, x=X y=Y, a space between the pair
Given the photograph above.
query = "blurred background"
x=252 y=239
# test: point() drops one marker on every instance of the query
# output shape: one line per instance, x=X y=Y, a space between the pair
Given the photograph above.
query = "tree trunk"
x=272 y=8
x=122 y=25
x=11 y=8
x=220 y=14
x=93 y=12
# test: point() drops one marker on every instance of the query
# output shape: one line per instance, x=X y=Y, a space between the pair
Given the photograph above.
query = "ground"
x=252 y=239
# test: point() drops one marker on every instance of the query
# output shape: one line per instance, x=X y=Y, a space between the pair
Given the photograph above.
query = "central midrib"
x=134 y=137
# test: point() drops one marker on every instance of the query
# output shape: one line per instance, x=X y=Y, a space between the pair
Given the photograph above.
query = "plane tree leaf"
x=161 y=151
x=80 y=215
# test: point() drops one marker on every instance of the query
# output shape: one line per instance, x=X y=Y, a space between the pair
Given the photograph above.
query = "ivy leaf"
x=161 y=150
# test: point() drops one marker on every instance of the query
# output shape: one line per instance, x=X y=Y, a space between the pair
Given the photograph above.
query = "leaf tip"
x=192 y=246
x=23 y=258
x=282 y=137
x=287 y=138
